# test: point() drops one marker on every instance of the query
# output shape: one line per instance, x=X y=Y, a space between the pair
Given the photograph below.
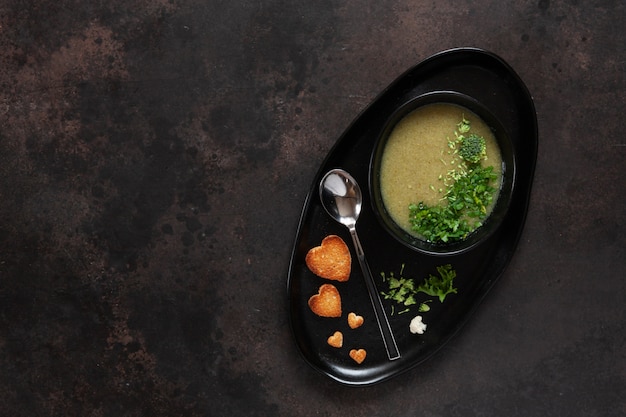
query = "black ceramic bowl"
x=492 y=222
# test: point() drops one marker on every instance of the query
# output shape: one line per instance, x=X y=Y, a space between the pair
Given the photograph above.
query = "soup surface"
x=419 y=159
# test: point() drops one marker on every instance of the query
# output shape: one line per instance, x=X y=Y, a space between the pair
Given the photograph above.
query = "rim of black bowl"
x=492 y=222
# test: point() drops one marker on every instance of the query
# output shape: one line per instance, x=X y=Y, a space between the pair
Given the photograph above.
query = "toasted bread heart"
x=358 y=355
x=327 y=301
x=330 y=260
x=354 y=320
x=336 y=340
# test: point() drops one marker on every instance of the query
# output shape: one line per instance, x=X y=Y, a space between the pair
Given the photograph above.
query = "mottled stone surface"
x=154 y=159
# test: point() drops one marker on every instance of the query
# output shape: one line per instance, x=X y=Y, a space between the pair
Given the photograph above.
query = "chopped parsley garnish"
x=424 y=307
x=401 y=290
x=469 y=192
x=466 y=205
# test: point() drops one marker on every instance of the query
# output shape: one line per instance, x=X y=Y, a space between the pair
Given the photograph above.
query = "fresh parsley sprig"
x=439 y=286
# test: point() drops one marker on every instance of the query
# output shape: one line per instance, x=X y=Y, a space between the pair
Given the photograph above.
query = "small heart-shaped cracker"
x=336 y=340
x=330 y=260
x=358 y=355
x=354 y=320
x=327 y=301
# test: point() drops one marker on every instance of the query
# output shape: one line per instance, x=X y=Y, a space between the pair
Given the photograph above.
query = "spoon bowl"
x=341 y=197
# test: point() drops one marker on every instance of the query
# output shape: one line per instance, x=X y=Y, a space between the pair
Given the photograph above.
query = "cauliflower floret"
x=417 y=326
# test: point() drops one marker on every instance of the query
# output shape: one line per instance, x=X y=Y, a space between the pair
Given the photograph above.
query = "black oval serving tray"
x=491 y=81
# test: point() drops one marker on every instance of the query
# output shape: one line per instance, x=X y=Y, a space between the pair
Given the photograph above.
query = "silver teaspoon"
x=342 y=199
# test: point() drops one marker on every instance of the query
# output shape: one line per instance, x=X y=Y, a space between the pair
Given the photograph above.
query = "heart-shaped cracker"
x=336 y=340
x=330 y=260
x=327 y=301
x=358 y=355
x=355 y=320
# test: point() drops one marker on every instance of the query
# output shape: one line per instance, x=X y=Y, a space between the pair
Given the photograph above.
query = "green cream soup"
x=421 y=162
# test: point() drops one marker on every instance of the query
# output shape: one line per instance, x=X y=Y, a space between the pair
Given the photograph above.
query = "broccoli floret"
x=473 y=148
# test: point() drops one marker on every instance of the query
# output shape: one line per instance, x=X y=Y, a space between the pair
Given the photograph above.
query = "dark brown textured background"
x=154 y=159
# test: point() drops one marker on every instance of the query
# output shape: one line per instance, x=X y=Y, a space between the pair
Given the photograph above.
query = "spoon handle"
x=379 y=311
